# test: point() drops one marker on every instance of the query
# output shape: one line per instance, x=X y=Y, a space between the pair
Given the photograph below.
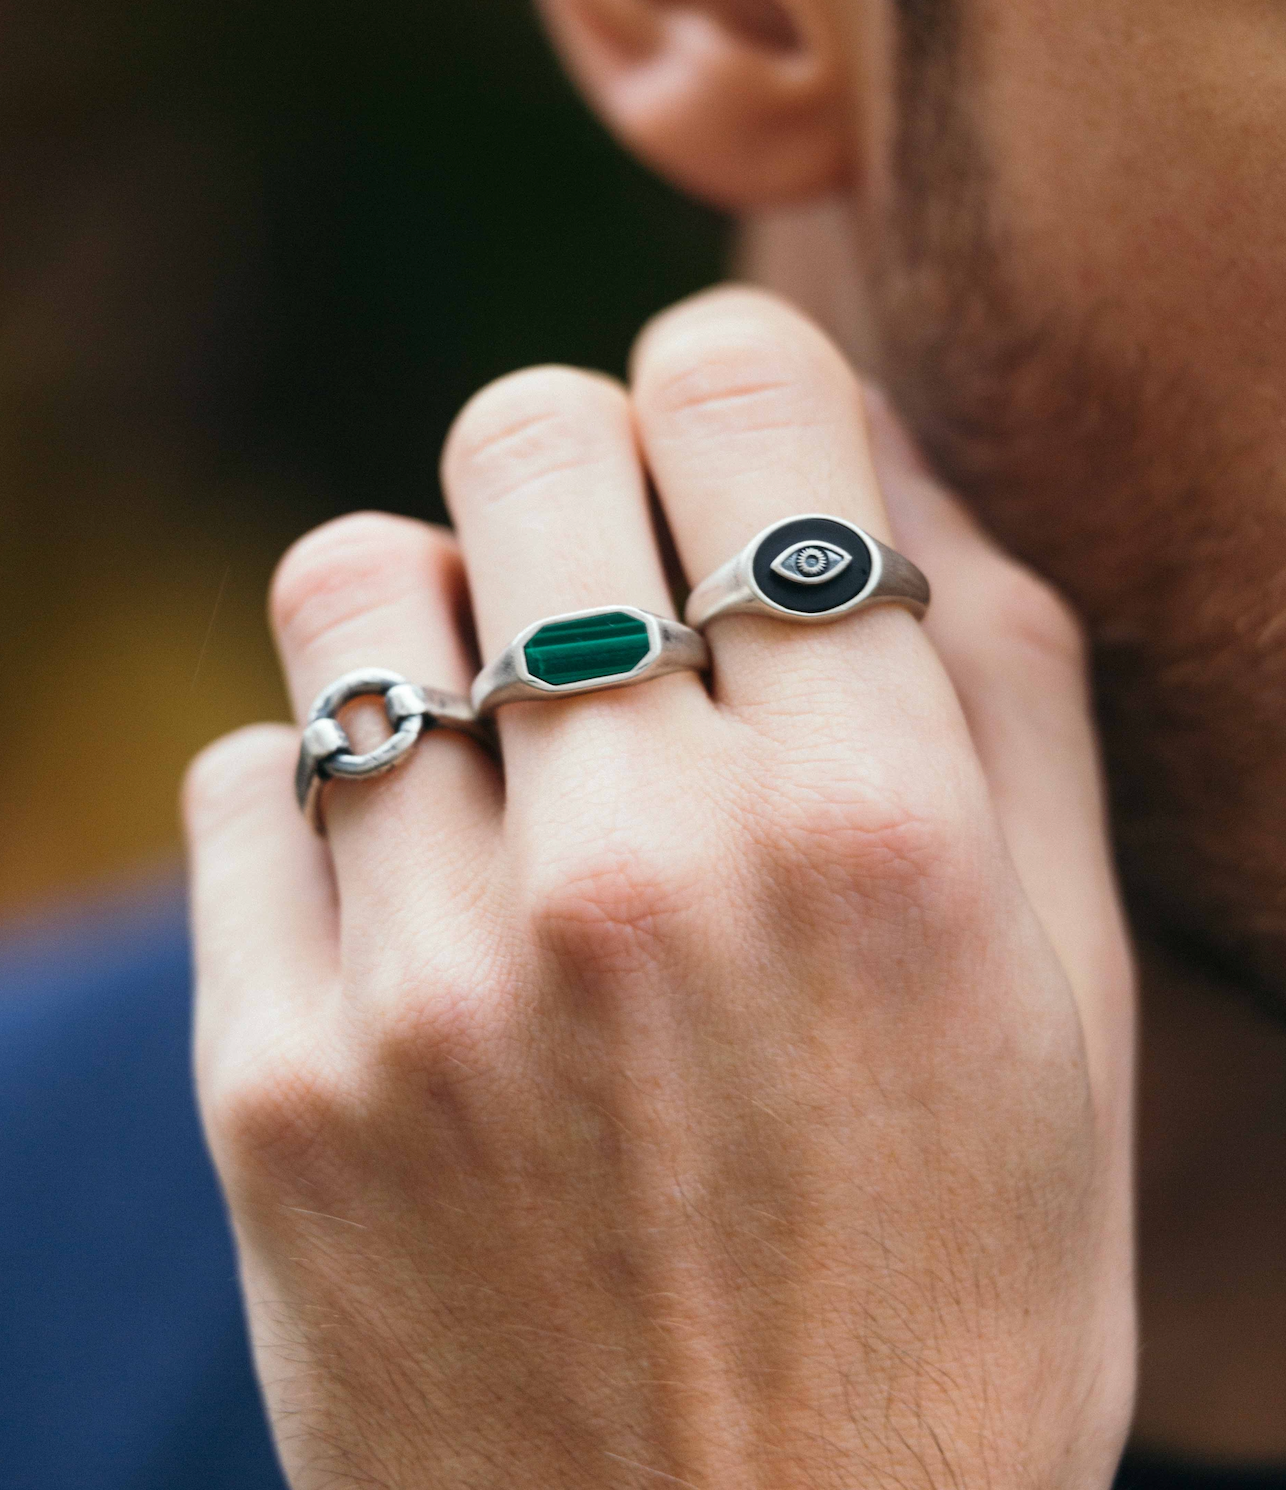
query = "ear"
x=740 y=102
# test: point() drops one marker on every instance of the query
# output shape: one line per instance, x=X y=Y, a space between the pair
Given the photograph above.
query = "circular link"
x=325 y=750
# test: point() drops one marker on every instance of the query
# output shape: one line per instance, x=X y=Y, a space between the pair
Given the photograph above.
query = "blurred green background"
x=252 y=259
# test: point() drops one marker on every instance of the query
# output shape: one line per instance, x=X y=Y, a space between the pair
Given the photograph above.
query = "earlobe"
x=739 y=102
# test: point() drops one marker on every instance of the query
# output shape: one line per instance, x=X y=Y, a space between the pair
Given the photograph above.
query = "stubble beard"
x=1117 y=479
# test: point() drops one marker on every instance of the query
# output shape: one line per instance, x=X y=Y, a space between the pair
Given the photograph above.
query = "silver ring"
x=326 y=751
x=809 y=568
x=583 y=651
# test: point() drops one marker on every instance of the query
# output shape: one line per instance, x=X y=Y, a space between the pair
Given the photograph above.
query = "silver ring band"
x=325 y=750
x=810 y=568
x=584 y=651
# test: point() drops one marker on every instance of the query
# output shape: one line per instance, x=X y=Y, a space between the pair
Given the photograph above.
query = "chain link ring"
x=325 y=751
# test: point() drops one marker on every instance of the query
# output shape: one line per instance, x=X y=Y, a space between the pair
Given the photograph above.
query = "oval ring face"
x=811 y=565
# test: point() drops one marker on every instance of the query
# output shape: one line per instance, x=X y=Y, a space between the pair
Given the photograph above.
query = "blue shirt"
x=123 y=1355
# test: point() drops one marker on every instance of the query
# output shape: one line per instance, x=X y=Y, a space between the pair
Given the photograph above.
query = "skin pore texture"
x=1063 y=258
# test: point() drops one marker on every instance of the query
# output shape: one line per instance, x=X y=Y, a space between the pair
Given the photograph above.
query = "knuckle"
x=742 y=363
x=354 y=564
x=427 y=1031
x=608 y=907
x=231 y=776
x=897 y=830
x=430 y=1015
x=1032 y=617
x=897 y=842
x=531 y=426
x=272 y=1117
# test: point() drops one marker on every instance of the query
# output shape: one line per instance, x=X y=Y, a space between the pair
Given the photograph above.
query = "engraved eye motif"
x=810 y=563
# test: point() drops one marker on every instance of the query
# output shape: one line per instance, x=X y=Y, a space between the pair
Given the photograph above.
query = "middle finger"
x=542 y=475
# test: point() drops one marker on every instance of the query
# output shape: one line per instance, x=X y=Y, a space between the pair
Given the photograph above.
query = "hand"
x=737 y=1092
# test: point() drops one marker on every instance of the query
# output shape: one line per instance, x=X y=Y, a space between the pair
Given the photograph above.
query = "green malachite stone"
x=589 y=647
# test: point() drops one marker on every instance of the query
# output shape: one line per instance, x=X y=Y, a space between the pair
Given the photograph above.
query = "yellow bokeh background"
x=251 y=260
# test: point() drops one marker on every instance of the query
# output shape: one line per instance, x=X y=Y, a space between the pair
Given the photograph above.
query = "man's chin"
x=1098 y=469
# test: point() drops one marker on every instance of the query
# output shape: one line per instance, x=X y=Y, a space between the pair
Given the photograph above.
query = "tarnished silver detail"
x=732 y=588
x=803 y=572
x=325 y=750
x=403 y=701
x=324 y=738
x=672 y=648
